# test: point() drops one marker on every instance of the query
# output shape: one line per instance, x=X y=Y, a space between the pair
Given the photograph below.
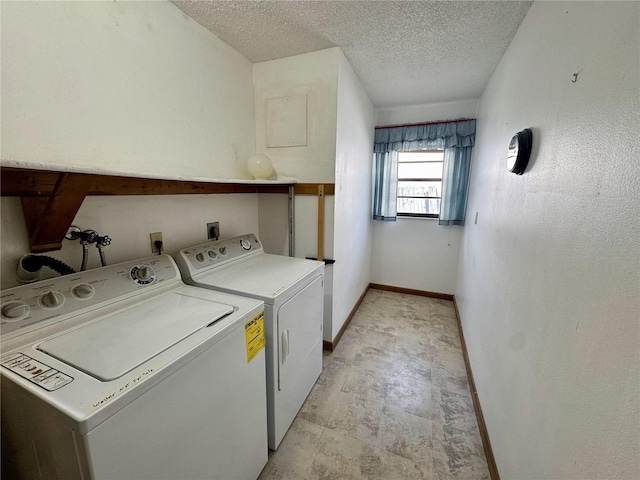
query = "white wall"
x=129 y=220
x=415 y=253
x=132 y=87
x=352 y=227
x=273 y=219
x=418 y=253
x=548 y=282
x=431 y=112
x=124 y=87
x=315 y=75
x=339 y=147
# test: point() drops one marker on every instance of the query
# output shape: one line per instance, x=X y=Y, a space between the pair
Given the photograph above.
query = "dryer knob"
x=223 y=250
x=200 y=257
x=246 y=244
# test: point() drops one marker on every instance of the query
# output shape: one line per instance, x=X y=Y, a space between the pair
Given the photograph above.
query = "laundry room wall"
x=273 y=218
x=548 y=280
x=431 y=112
x=352 y=215
x=418 y=253
x=315 y=76
x=135 y=87
x=125 y=87
x=182 y=220
x=339 y=141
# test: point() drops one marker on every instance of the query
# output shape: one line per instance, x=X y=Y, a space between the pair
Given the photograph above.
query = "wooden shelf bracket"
x=48 y=218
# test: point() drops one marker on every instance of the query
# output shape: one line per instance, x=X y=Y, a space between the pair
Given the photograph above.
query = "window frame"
x=420 y=215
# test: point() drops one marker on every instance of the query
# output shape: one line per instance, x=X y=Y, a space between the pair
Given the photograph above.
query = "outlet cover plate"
x=153 y=237
x=213 y=230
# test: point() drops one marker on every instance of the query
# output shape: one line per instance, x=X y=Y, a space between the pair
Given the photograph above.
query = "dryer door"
x=300 y=339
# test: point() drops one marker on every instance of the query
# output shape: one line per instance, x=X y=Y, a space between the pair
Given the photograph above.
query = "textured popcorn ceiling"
x=404 y=52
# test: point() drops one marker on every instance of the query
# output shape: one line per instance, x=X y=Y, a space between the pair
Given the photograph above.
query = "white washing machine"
x=293 y=292
x=125 y=372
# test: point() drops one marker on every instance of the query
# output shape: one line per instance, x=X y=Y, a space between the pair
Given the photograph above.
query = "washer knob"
x=84 y=290
x=200 y=257
x=212 y=253
x=143 y=273
x=52 y=299
x=246 y=244
x=223 y=250
x=15 y=310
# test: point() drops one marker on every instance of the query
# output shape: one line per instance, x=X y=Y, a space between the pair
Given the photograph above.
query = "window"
x=420 y=183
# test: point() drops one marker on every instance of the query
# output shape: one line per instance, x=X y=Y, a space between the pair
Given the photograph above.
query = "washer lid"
x=116 y=344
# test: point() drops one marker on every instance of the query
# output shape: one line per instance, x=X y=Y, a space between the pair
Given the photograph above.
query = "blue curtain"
x=455 y=179
x=385 y=186
x=456 y=138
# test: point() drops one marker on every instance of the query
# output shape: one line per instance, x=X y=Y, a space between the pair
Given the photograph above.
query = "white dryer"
x=293 y=292
x=125 y=372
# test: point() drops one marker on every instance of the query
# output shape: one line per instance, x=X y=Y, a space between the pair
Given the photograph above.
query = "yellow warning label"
x=254 y=333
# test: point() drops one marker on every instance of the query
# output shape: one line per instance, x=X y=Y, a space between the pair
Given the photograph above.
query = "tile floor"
x=392 y=402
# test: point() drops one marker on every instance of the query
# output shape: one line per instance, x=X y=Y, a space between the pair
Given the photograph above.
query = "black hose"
x=33 y=263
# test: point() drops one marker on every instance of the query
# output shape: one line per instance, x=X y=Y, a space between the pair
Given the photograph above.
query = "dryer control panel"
x=29 y=307
x=213 y=254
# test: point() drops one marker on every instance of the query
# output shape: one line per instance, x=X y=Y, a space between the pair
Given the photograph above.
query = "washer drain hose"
x=30 y=265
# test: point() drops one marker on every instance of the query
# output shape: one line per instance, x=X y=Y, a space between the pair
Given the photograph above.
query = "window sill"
x=415 y=217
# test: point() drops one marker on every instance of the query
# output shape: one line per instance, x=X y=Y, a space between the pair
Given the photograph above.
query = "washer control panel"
x=213 y=254
x=57 y=298
x=36 y=372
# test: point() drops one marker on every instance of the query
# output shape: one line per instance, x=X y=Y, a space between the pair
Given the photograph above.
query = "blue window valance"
x=455 y=137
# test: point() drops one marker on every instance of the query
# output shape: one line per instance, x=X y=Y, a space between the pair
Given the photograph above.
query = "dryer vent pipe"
x=30 y=265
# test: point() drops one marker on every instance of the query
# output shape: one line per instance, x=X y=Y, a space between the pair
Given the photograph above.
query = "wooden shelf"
x=42 y=183
x=51 y=199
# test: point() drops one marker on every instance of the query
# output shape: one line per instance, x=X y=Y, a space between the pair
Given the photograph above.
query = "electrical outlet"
x=213 y=230
x=154 y=237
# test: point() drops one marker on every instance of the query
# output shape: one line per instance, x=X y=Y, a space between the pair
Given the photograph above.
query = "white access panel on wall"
x=286 y=121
